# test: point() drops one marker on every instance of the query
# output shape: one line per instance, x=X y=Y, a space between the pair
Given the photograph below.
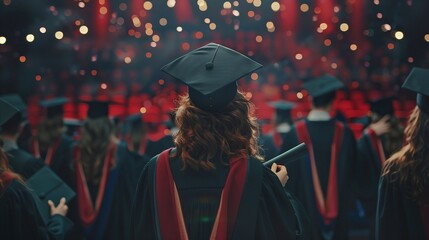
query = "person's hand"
x=281 y=173
x=382 y=126
x=61 y=209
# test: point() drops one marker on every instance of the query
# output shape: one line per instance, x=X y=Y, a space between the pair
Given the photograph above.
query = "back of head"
x=324 y=100
x=205 y=135
x=95 y=139
x=12 y=126
x=50 y=130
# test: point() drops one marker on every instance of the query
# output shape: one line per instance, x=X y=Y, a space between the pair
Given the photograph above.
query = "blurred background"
x=113 y=49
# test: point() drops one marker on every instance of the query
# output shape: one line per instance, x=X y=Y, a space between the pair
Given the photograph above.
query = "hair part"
x=409 y=167
x=203 y=135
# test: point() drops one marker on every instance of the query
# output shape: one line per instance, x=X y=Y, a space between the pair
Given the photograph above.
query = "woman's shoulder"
x=15 y=192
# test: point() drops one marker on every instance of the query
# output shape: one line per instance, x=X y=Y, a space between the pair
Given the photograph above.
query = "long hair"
x=93 y=144
x=4 y=168
x=410 y=166
x=202 y=135
x=49 y=131
x=137 y=132
x=394 y=139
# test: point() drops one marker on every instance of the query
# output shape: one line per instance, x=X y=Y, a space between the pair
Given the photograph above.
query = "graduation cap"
x=134 y=118
x=323 y=85
x=15 y=100
x=382 y=107
x=98 y=108
x=7 y=111
x=418 y=81
x=211 y=72
x=46 y=185
x=283 y=109
x=54 y=107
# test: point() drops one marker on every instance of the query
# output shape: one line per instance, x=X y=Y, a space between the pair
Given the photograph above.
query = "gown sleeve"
x=277 y=217
x=390 y=223
x=20 y=219
x=142 y=225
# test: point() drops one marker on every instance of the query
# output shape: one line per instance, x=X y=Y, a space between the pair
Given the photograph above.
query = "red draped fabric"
x=357 y=19
x=183 y=11
x=288 y=15
x=101 y=20
x=327 y=205
x=325 y=12
x=171 y=222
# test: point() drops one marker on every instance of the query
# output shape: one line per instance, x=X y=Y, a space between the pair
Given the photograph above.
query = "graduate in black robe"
x=211 y=185
x=322 y=182
x=19 y=218
x=51 y=144
x=105 y=178
x=403 y=204
x=20 y=161
x=382 y=138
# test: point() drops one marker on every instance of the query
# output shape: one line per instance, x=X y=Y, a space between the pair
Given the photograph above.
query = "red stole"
x=278 y=141
x=87 y=212
x=376 y=143
x=171 y=222
x=49 y=154
x=327 y=206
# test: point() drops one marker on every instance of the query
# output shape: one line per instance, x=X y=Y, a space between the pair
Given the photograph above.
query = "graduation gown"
x=57 y=157
x=371 y=157
x=264 y=212
x=153 y=147
x=112 y=219
x=23 y=162
x=398 y=216
x=266 y=142
x=300 y=181
x=20 y=219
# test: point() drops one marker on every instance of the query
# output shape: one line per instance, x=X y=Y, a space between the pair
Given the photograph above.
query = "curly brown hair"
x=4 y=168
x=410 y=165
x=202 y=135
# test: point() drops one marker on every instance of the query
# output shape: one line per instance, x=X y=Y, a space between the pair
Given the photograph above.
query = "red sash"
x=278 y=141
x=171 y=222
x=376 y=143
x=87 y=212
x=49 y=154
x=328 y=207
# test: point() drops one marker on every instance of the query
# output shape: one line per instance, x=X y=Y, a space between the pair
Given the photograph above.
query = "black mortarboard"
x=98 y=109
x=54 y=107
x=134 y=118
x=282 y=105
x=48 y=186
x=323 y=85
x=15 y=100
x=383 y=106
x=211 y=72
x=6 y=111
x=418 y=81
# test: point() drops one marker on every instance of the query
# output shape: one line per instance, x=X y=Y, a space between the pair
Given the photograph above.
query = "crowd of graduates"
x=115 y=191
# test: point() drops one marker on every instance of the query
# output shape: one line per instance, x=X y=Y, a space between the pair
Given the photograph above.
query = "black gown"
x=266 y=142
x=20 y=219
x=200 y=194
x=300 y=179
x=112 y=222
x=61 y=159
x=23 y=163
x=367 y=185
x=153 y=148
x=398 y=216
